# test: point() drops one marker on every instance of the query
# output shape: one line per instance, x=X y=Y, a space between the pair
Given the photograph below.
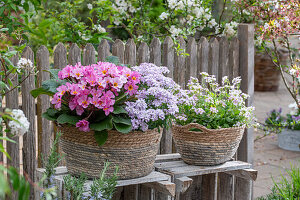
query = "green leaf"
x=119 y=110
x=121 y=120
x=112 y=59
x=123 y=128
x=70 y=119
x=53 y=73
x=39 y=91
x=101 y=137
x=52 y=112
x=105 y=124
x=3 y=85
x=47 y=116
x=51 y=85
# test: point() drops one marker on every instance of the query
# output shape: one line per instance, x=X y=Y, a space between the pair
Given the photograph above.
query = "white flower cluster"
x=99 y=28
x=24 y=63
x=122 y=6
x=21 y=125
x=175 y=31
x=229 y=29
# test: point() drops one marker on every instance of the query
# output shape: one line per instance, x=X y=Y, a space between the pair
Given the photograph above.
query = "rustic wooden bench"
x=171 y=178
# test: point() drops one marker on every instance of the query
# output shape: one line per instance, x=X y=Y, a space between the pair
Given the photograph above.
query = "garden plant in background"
x=286 y=188
x=206 y=111
x=107 y=106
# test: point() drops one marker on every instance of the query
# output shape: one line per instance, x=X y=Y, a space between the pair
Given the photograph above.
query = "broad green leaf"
x=105 y=124
x=47 y=116
x=52 y=112
x=53 y=73
x=123 y=128
x=39 y=91
x=70 y=119
x=51 y=85
x=121 y=120
x=101 y=137
x=3 y=85
x=119 y=110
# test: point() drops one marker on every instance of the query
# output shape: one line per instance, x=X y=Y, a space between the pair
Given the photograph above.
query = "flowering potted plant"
x=109 y=112
x=211 y=120
x=288 y=128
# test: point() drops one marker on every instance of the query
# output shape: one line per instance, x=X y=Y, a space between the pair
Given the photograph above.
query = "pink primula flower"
x=83 y=125
x=83 y=101
x=131 y=88
x=108 y=110
x=57 y=101
x=61 y=90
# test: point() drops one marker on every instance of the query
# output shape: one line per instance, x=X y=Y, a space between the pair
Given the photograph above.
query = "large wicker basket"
x=133 y=153
x=209 y=147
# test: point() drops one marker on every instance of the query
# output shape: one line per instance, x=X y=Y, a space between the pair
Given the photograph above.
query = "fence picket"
x=168 y=55
x=155 y=52
x=179 y=66
x=28 y=106
x=130 y=52
x=88 y=57
x=203 y=49
x=213 y=61
x=191 y=60
x=103 y=50
x=143 y=53
x=43 y=103
x=60 y=56
x=118 y=50
x=223 y=58
x=234 y=61
x=74 y=54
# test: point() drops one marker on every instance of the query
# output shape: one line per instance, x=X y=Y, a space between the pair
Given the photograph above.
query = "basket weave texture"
x=134 y=153
x=209 y=147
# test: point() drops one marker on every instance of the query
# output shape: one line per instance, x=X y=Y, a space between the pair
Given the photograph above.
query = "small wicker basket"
x=133 y=153
x=209 y=147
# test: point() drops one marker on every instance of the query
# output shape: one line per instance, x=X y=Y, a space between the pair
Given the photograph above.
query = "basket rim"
x=204 y=127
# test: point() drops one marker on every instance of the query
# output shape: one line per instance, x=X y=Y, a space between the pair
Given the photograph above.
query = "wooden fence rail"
x=218 y=56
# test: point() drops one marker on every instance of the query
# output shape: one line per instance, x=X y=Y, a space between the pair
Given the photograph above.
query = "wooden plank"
x=182 y=184
x=170 y=165
x=43 y=103
x=74 y=54
x=143 y=53
x=249 y=174
x=191 y=60
x=203 y=49
x=60 y=56
x=209 y=187
x=167 y=157
x=155 y=52
x=200 y=170
x=88 y=57
x=234 y=58
x=103 y=50
x=225 y=186
x=165 y=187
x=144 y=192
x=131 y=192
x=28 y=106
x=12 y=102
x=194 y=191
x=223 y=58
x=117 y=193
x=130 y=52
x=179 y=65
x=167 y=61
x=118 y=50
x=213 y=57
x=244 y=188
x=152 y=177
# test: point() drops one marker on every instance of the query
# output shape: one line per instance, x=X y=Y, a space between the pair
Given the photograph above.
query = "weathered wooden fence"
x=216 y=56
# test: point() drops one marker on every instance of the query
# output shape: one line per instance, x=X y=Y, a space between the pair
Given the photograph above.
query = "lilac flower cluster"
x=156 y=102
x=213 y=105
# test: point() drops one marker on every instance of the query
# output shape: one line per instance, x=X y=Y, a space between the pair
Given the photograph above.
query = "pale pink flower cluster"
x=94 y=87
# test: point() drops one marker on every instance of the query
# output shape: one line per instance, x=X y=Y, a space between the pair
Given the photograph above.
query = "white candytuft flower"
x=21 y=125
x=24 y=63
x=90 y=6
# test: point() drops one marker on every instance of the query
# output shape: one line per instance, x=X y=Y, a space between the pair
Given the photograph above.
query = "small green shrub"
x=288 y=188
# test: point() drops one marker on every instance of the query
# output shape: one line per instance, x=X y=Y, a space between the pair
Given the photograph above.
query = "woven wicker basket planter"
x=133 y=153
x=209 y=147
x=266 y=75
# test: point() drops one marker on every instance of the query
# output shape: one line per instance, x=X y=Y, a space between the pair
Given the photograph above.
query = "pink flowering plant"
x=212 y=105
x=106 y=96
x=92 y=97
